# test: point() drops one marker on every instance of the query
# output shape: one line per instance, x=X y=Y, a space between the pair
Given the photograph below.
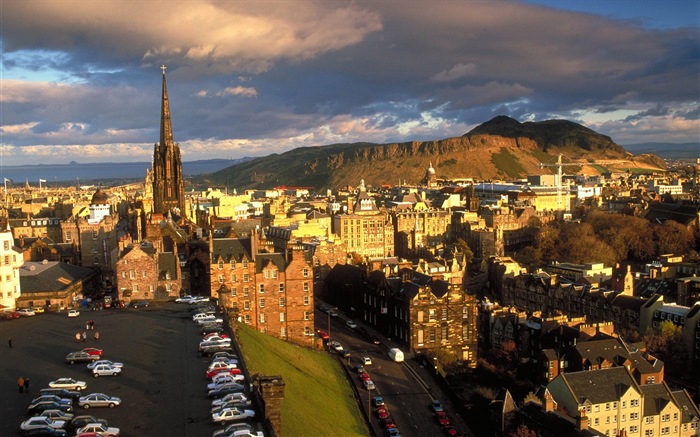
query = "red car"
x=364 y=376
x=450 y=430
x=93 y=351
x=214 y=372
x=323 y=334
x=388 y=423
x=382 y=413
x=442 y=418
x=214 y=334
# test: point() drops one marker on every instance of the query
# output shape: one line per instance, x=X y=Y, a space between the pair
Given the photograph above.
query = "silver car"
x=99 y=400
x=106 y=370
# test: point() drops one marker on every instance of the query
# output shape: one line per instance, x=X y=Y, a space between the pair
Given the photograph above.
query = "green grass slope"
x=318 y=400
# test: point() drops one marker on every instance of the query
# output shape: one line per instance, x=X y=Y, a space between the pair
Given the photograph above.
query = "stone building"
x=54 y=285
x=271 y=291
x=145 y=273
x=10 y=262
x=419 y=231
x=168 y=184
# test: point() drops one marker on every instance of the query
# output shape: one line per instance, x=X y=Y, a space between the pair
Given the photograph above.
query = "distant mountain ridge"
x=501 y=148
x=667 y=150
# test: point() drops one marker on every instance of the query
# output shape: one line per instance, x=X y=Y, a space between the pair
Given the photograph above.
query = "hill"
x=501 y=148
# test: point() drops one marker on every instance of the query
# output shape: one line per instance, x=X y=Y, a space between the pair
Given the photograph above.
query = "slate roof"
x=600 y=386
x=630 y=303
x=50 y=276
x=656 y=397
x=615 y=351
x=236 y=248
x=263 y=259
x=689 y=411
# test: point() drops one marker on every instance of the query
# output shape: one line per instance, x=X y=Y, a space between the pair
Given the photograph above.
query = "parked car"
x=351 y=324
x=222 y=365
x=450 y=430
x=211 y=350
x=441 y=418
x=226 y=389
x=68 y=384
x=436 y=406
x=225 y=355
x=98 y=400
x=221 y=379
x=208 y=318
x=93 y=351
x=374 y=339
x=56 y=415
x=37 y=408
x=393 y=432
x=388 y=423
x=369 y=384
x=107 y=362
x=26 y=312
x=214 y=335
x=336 y=345
x=366 y=361
x=45 y=431
x=212 y=373
x=232 y=415
x=106 y=370
x=184 y=299
x=230 y=404
x=236 y=427
x=99 y=428
x=61 y=393
x=232 y=397
x=139 y=304
x=41 y=422
x=81 y=357
x=197 y=299
x=52 y=398
x=211 y=328
x=81 y=421
x=344 y=353
x=38 y=310
x=73 y=313
x=218 y=342
x=323 y=334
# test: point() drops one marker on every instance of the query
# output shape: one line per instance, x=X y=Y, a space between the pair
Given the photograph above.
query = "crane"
x=559 y=164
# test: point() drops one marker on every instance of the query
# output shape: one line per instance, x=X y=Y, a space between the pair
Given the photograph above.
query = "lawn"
x=318 y=400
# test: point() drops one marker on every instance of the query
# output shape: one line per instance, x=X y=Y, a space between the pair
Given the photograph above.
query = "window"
x=143 y=274
x=233 y=291
x=135 y=288
x=634 y=403
x=221 y=265
x=233 y=263
x=649 y=432
x=283 y=332
x=261 y=288
x=94 y=235
x=634 y=416
x=233 y=277
x=281 y=287
x=431 y=315
x=221 y=279
x=69 y=237
x=274 y=274
x=420 y=318
x=281 y=317
x=131 y=274
x=306 y=286
x=651 y=379
x=307 y=330
x=634 y=429
x=262 y=302
x=245 y=263
x=665 y=417
x=281 y=301
x=246 y=305
x=649 y=419
x=247 y=319
x=262 y=318
x=306 y=300
x=124 y=275
x=245 y=277
x=266 y=274
x=306 y=315
x=443 y=316
x=666 y=430
x=431 y=335
x=305 y=273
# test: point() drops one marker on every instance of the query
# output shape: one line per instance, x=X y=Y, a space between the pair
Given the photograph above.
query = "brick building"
x=145 y=273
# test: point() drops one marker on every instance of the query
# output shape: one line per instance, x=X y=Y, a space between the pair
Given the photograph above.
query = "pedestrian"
x=9 y=341
x=77 y=337
x=20 y=384
x=97 y=336
x=87 y=325
x=84 y=336
x=26 y=385
x=92 y=325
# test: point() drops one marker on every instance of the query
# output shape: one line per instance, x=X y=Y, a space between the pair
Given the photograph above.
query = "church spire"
x=166 y=128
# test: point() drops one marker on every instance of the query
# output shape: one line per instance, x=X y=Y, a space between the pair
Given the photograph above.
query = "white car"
x=217 y=342
x=98 y=400
x=99 y=429
x=41 y=422
x=231 y=415
x=73 y=313
x=351 y=324
x=184 y=299
x=366 y=361
x=106 y=370
x=224 y=379
x=337 y=346
x=196 y=299
x=26 y=312
x=107 y=362
x=231 y=397
x=209 y=319
x=68 y=384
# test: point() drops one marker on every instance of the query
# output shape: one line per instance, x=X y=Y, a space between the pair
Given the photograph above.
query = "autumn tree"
x=667 y=343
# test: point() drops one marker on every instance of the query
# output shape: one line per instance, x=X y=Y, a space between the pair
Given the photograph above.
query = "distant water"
x=75 y=172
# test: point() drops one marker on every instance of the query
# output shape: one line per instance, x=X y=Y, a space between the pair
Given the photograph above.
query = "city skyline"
x=81 y=81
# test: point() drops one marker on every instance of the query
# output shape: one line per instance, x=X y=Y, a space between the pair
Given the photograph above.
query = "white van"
x=396 y=354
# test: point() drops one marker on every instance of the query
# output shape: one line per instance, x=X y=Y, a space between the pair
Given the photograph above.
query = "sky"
x=81 y=79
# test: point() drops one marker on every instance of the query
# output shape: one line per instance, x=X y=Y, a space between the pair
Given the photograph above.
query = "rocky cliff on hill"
x=501 y=148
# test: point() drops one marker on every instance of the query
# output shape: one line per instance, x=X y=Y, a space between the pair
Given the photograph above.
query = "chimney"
x=271 y=390
x=582 y=421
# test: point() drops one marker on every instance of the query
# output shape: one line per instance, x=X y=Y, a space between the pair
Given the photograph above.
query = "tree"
x=522 y=431
x=667 y=343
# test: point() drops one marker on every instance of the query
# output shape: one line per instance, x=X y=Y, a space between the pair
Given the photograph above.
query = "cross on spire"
x=163 y=67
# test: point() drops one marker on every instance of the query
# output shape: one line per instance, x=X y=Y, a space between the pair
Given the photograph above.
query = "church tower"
x=168 y=185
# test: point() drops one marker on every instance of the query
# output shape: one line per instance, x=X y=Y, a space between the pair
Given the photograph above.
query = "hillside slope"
x=501 y=148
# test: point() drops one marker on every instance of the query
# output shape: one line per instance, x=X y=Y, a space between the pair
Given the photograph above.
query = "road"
x=406 y=396
x=162 y=386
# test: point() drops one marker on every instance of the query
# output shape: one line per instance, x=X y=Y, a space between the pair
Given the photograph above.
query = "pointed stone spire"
x=166 y=128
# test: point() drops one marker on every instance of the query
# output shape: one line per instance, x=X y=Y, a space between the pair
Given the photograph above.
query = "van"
x=396 y=354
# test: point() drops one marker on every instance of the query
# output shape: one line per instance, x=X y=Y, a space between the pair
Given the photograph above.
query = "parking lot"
x=162 y=386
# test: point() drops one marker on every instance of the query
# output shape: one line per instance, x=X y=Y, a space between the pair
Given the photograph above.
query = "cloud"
x=456 y=72
x=238 y=91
